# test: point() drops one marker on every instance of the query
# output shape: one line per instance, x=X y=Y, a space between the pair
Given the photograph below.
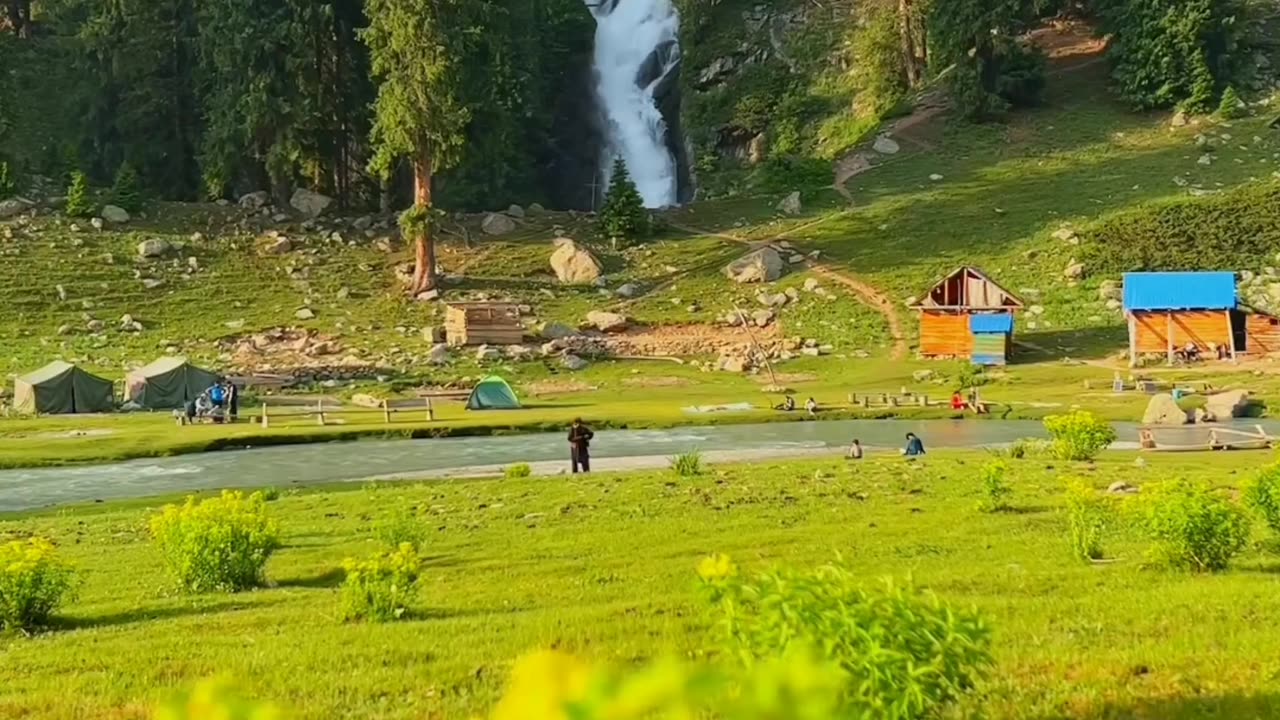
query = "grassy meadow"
x=604 y=566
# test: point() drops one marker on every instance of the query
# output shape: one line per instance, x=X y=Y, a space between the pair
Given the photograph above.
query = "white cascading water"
x=631 y=35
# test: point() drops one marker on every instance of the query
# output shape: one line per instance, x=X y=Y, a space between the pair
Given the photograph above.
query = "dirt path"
x=867 y=294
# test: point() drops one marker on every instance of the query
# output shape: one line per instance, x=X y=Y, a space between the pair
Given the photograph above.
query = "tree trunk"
x=424 y=271
x=906 y=31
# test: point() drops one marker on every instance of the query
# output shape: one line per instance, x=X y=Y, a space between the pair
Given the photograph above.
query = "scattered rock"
x=1036 y=309
x=536 y=208
x=62 y=292
x=305 y=314
x=1074 y=270
x=516 y=211
x=1111 y=290
x=762 y=318
x=255 y=200
x=363 y=223
x=556 y=331
x=343 y=293
x=497 y=224
x=12 y=207
x=886 y=145
x=628 y=291
x=95 y=326
x=607 y=321
x=153 y=248
x=128 y=324
x=936 y=177
x=922 y=375
x=1066 y=235
x=1229 y=404
x=790 y=204
x=573 y=362
x=1121 y=487
x=193 y=263
x=1179 y=119
x=1114 y=304
x=1205 y=159
x=309 y=202
x=574 y=263
x=763 y=265
x=152 y=283
x=64 y=330
x=276 y=246
x=115 y=215
x=439 y=354
x=733 y=364
x=1164 y=410
x=96 y=223
x=484 y=353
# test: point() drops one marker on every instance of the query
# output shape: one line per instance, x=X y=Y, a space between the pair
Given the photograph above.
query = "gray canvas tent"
x=166 y=383
x=59 y=388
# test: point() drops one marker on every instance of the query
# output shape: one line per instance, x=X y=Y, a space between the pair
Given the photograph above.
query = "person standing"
x=580 y=446
x=233 y=399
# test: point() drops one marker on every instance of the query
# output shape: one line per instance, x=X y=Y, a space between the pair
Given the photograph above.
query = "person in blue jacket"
x=914 y=448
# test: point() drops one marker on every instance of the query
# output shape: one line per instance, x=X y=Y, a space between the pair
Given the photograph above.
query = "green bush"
x=1088 y=515
x=623 y=215
x=1220 y=232
x=126 y=192
x=402 y=526
x=1027 y=448
x=8 y=184
x=381 y=588
x=220 y=543
x=905 y=654
x=1080 y=435
x=1262 y=495
x=1231 y=106
x=34 y=582
x=515 y=472
x=687 y=464
x=995 y=491
x=1192 y=528
x=78 y=202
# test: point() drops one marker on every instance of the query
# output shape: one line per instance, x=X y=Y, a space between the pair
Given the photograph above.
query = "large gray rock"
x=115 y=215
x=573 y=362
x=153 y=248
x=497 y=224
x=13 y=206
x=791 y=204
x=763 y=265
x=607 y=321
x=255 y=200
x=886 y=145
x=1164 y=410
x=556 y=331
x=628 y=291
x=276 y=246
x=516 y=211
x=309 y=202
x=733 y=364
x=439 y=354
x=574 y=263
x=1229 y=404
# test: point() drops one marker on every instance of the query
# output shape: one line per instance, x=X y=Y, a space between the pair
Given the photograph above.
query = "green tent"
x=166 y=383
x=59 y=388
x=493 y=393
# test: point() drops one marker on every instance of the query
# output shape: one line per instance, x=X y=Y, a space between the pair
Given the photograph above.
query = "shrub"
x=515 y=472
x=1088 y=514
x=270 y=494
x=381 y=588
x=403 y=526
x=904 y=653
x=1231 y=106
x=1028 y=447
x=1194 y=529
x=995 y=491
x=220 y=543
x=34 y=582
x=126 y=192
x=1080 y=435
x=623 y=215
x=78 y=202
x=8 y=184
x=1262 y=495
x=214 y=698
x=687 y=464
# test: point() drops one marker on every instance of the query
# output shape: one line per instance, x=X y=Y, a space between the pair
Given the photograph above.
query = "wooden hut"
x=967 y=315
x=1167 y=311
x=483 y=323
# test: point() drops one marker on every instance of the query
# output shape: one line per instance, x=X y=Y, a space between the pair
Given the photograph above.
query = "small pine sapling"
x=623 y=216
x=78 y=203
x=126 y=192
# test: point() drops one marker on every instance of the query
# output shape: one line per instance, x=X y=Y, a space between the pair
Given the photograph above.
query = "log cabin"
x=1167 y=311
x=967 y=315
x=483 y=323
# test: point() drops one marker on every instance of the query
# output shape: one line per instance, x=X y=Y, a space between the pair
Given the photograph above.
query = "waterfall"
x=637 y=59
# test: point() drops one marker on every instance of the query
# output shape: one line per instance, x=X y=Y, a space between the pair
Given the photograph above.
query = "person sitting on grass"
x=914 y=447
x=788 y=405
x=855 y=450
x=811 y=406
x=957 y=401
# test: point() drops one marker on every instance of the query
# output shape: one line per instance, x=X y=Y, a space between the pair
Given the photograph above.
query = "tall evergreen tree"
x=623 y=216
x=418 y=113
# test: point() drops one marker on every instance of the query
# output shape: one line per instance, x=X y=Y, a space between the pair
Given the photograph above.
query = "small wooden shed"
x=483 y=323
x=967 y=315
x=1167 y=311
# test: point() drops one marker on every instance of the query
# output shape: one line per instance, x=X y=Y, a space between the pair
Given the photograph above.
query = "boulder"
x=255 y=200
x=574 y=263
x=309 y=202
x=790 y=204
x=276 y=246
x=96 y=223
x=573 y=362
x=922 y=375
x=152 y=283
x=733 y=364
x=763 y=265
x=363 y=223
x=1066 y=235
x=484 y=353
x=1229 y=404
x=497 y=224
x=128 y=324
x=811 y=284
x=1111 y=290
x=886 y=145
x=1121 y=487
x=1074 y=270
x=762 y=318
x=556 y=331
x=305 y=314
x=1036 y=309
x=607 y=321
x=628 y=291
x=153 y=248
x=13 y=206
x=1179 y=119
x=1164 y=410
x=439 y=354
x=115 y=215
x=516 y=211
x=536 y=208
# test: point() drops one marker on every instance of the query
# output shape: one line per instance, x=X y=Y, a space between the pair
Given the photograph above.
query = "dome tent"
x=169 y=382
x=60 y=388
x=493 y=393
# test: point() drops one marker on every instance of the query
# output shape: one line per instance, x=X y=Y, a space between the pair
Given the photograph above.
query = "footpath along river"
x=547 y=453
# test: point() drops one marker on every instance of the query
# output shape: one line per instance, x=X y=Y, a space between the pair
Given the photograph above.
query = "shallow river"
x=618 y=449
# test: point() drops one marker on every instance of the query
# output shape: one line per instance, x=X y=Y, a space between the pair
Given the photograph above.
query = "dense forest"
x=474 y=104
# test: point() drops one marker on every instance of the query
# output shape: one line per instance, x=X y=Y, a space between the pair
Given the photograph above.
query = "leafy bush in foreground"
x=214 y=699
x=995 y=491
x=33 y=583
x=687 y=464
x=1087 y=516
x=220 y=543
x=905 y=654
x=381 y=588
x=1262 y=495
x=515 y=472
x=1080 y=435
x=403 y=526
x=1193 y=528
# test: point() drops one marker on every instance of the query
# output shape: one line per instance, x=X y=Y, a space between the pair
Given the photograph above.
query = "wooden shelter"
x=1168 y=311
x=483 y=323
x=967 y=315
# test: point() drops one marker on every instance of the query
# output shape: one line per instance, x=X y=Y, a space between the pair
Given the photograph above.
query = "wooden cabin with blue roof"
x=1169 y=311
x=967 y=315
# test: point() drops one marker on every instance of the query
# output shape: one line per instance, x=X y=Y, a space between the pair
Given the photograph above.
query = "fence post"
x=265 y=422
x=924 y=401
x=853 y=398
x=431 y=412
x=320 y=411
x=386 y=412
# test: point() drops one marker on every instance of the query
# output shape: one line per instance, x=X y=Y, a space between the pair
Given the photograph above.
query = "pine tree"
x=78 y=204
x=126 y=192
x=8 y=185
x=1231 y=106
x=419 y=114
x=623 y=216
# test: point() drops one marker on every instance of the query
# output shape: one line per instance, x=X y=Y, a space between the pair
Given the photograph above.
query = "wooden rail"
x=322 y=414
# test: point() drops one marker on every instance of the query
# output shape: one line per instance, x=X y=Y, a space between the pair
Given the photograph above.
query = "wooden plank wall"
x=1202 y=327
x=483 y=325
x=1262 y=334
x=945 y=334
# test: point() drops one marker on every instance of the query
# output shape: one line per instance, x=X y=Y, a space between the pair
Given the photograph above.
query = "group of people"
x=218 y=403
x=789 y=405
x=914 y=448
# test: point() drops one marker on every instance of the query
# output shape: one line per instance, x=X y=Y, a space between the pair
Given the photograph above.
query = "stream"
x=295 y=465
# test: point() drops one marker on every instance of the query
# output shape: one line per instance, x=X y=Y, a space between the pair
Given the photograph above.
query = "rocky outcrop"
x=574 y=263
x=115 y=215
x=497 y=224
x=255 y=200
x=790 y=204
x=607 y=321
x=309 y=202
x=1227 y=405
x=1164 y=410
x=763 y=265
x=153 y=248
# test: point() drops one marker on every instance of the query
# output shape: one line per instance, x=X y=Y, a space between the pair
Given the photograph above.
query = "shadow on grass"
x=1092 y=343
x=1234 y=706
x=330 y=578
x=145 y=614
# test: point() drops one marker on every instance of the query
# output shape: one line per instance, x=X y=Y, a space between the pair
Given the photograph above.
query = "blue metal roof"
x=1180 y=291
x=1000 y=323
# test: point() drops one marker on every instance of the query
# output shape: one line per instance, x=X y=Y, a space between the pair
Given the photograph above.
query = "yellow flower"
x=716 y=567
x=542 y=684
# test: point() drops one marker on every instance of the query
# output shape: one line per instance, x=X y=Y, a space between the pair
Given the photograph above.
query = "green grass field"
x=603 y=566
